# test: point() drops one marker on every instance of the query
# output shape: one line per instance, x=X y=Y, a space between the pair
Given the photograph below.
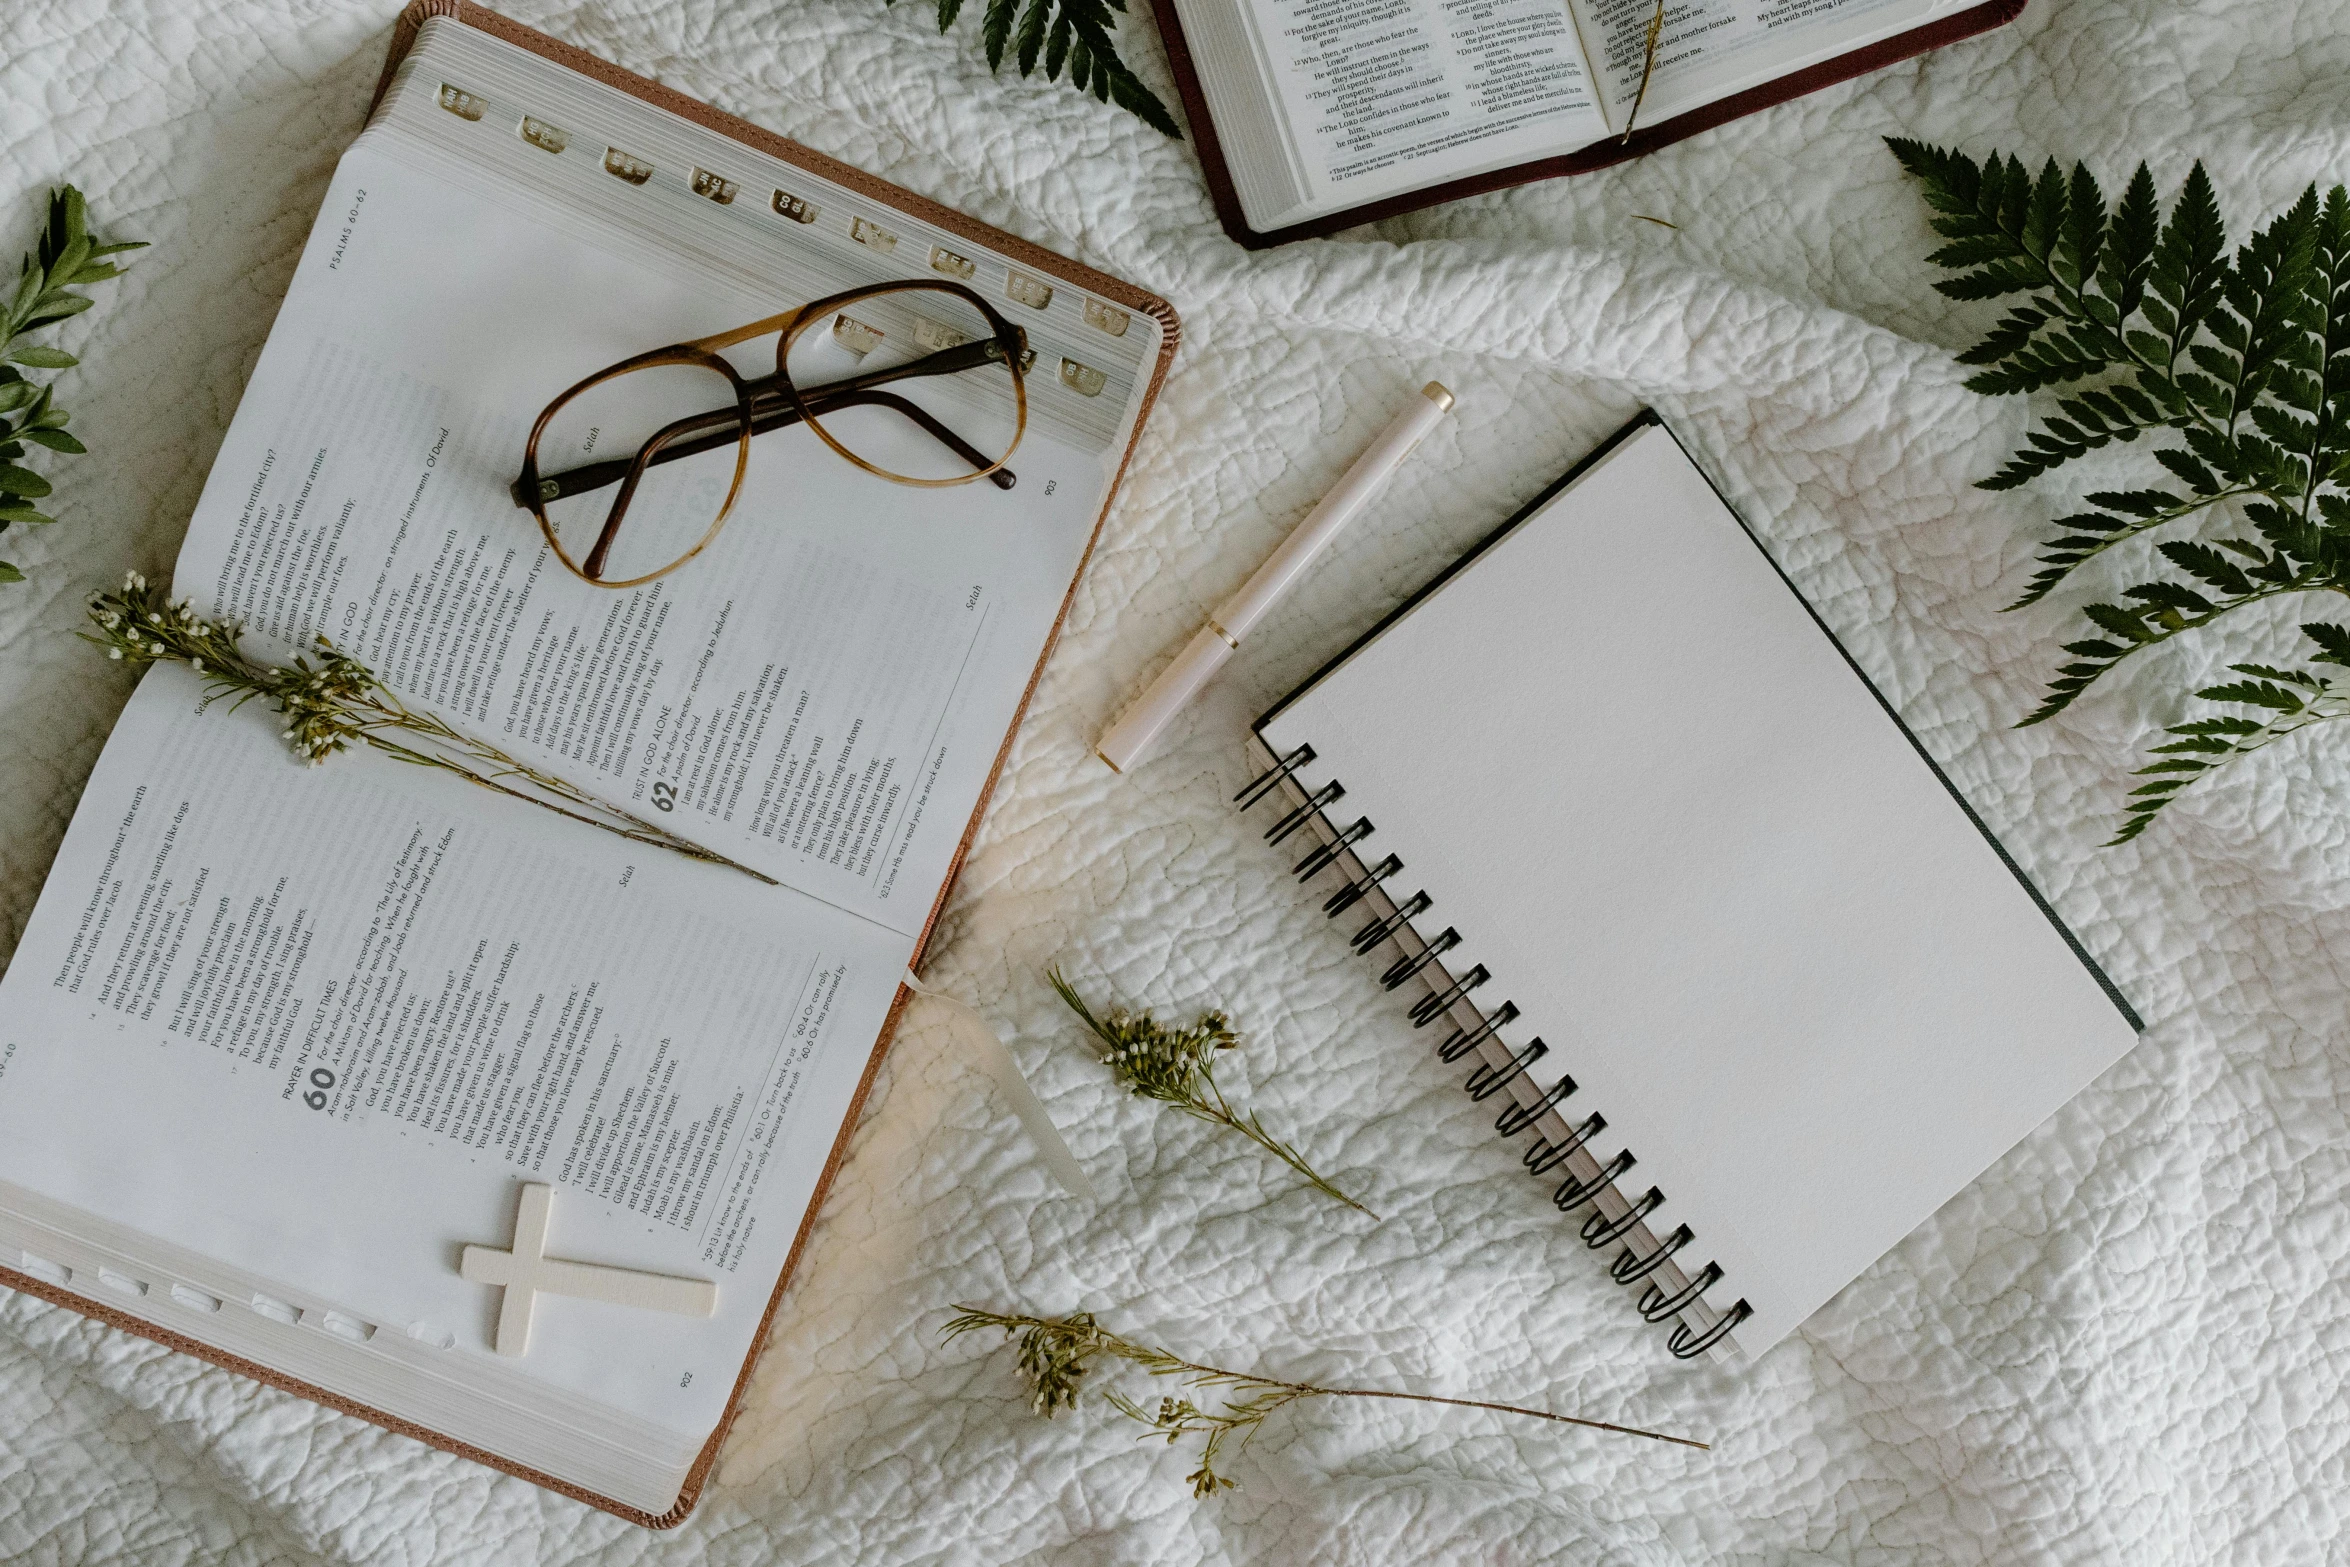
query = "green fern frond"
x=1071 y=35
x=2148 y=323
x=2286 y=701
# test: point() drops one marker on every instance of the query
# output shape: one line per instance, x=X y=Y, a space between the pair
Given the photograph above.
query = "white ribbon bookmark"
x=999 y=1065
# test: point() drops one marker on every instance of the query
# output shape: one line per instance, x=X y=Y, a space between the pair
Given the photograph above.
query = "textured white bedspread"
x=2124 y=1344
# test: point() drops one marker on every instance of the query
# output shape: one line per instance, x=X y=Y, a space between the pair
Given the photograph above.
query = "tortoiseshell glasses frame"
x=774 y=402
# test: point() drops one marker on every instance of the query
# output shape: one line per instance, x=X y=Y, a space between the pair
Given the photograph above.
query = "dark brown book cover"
x=1615 y=149
x=1043 y=262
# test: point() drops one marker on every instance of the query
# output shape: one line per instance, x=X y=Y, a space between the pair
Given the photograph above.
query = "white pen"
x=1124 y=742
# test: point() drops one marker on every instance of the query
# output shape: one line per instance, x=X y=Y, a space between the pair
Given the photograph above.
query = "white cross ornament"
x=527 y=1270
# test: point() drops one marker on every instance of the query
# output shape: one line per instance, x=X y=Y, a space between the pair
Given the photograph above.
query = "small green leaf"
x=40 y=358
x=55 y=440
x=9 y=573
x=21 y=481
x=54 y=306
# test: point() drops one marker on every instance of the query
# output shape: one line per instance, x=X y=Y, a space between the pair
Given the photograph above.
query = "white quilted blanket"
x=2123 y=1344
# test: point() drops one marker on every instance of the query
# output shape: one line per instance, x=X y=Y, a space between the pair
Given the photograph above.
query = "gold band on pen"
x=1230 y=640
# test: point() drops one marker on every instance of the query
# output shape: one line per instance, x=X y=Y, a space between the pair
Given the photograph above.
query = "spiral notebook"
x=1661 y=868
x=279 y=1046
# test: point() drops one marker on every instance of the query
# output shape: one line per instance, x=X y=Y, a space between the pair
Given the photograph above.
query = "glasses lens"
x=949 y=418
x=688 y=415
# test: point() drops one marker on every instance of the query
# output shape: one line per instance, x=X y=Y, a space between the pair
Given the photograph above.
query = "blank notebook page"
x=1722 y=883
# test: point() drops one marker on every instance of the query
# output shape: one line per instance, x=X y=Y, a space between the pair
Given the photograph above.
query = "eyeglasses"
x=678 y=421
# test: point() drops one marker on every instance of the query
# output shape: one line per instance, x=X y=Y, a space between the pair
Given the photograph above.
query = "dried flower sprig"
x=1176 y=1066
x=1057 y=1353
x=332 y=700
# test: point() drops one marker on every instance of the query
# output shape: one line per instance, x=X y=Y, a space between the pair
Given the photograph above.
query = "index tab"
x=542 y=135
x=620 y=165
x=1034 y=292
x=714 y=187
x=947 y=264
x=938 y=336
x=1106 y=318
x=872 y=235
x=857 y=337
x=790 y=206
x=461 y=103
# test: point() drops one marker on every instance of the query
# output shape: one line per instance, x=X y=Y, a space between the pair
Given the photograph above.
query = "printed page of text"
x=322 y=1024
x=1710 y=49
x=1390 y=95
x=821 y=693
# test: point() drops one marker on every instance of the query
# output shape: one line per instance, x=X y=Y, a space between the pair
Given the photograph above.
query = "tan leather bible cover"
x=1041 y=261
x=1614 y=149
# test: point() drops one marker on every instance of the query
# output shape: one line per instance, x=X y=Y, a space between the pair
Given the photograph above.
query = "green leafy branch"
x=69 y=257
x=2148 y=325
x=1176 y=1066
x=1071 y=35
x=1057 y=1353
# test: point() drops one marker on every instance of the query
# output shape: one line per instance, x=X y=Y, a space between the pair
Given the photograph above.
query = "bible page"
x=321 y=1025
x=1387 y=96
x=1710 y=49
x=823 y=692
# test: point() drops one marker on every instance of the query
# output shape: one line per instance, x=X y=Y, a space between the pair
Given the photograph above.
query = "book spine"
x=1672 y=1291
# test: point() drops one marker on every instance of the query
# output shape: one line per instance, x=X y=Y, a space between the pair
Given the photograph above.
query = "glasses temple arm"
x=720 y=429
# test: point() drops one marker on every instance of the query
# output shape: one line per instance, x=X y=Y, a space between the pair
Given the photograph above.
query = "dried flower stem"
x=1656 y=28
x=1056 y=1353
x=336 y=701
x=1176 y=1067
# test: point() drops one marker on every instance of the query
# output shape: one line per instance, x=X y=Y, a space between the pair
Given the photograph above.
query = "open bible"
x=279 y=1044
x=1314 y=115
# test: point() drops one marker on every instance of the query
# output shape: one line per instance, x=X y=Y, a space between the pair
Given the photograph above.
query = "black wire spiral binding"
x=1464 y=1040
x=1599 y=1233
x=1308 y=808
x=1347 y=896
x=1518 y=1117
x=1574 y=1191
x=1404 y=968
x=1269 y=780
x=1370 y=936
x=1436 y=1003
x=1314 y=864
x=1489 y=1080
x=1631 y=1265
x=1547 y=1155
